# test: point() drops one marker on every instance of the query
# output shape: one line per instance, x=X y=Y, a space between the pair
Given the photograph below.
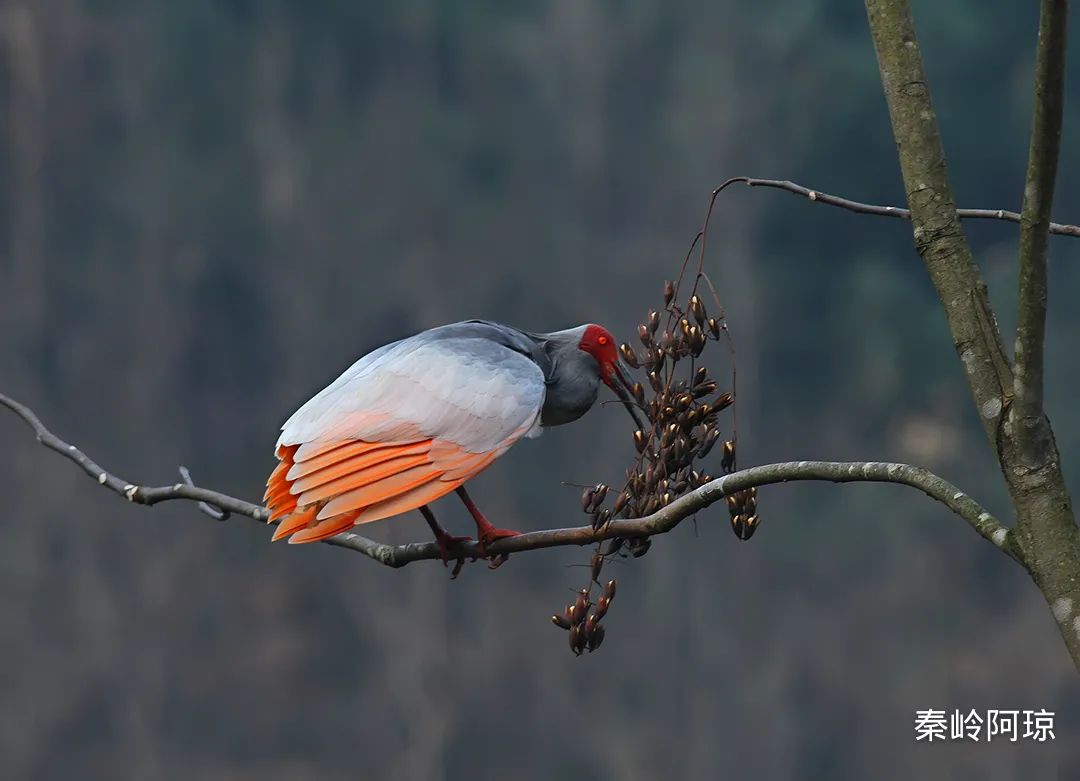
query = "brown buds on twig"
x=681 y=403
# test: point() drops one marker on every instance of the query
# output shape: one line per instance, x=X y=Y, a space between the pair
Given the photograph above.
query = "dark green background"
x=208 y=209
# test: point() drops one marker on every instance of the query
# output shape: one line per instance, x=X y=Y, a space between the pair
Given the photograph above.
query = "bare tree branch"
x=1027 y=412
x=661 y=521
x=888 y=211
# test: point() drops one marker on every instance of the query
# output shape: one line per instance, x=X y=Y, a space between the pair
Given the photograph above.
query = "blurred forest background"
x=208 y=209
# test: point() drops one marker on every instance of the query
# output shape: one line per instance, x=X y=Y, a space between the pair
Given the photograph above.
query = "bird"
x=414 y=420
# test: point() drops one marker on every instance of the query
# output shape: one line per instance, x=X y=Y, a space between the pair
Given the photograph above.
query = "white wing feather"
x=470 y=391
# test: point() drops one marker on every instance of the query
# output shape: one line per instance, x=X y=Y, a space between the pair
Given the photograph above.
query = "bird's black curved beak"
x=618 y=383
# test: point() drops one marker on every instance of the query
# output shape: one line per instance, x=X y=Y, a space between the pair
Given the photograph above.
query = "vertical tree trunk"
x=1045 y=538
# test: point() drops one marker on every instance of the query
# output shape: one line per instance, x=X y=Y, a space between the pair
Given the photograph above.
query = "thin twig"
x=661 y=521
x=887 y=211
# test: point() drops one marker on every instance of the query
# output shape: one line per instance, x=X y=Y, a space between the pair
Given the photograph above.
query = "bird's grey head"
x=581 y=358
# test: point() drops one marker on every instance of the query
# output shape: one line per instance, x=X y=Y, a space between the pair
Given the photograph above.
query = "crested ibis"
x=418 y=418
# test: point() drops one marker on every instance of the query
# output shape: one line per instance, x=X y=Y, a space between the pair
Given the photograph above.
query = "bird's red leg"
x=485 y=532
x=444 y=539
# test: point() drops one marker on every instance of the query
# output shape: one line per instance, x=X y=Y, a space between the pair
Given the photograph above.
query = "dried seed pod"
x=654 y=380
x=658 y=358
x=707 y=444
x=706 y=388
x=601 y=518
x=609 y=589
x=744 y=526
x=723 y=401
x=697 y=309
x=665 y=499
x=600 y=491
x=701 y=375
x=629 y=355
x=750 y=501
x=669 y=292
x=601 y=606
x=590 y=623
x=644 y=335
x=639 y=548
x=678 y=447
x=639 y=440
x=581 y=605
x=572 y=615
x=587 y=498
x=696 y=339
x=654 y=320
x=577 y=639
x=714 y=327
x=596 y=637
x=568 y=614
x=620 y=503
x=727 y=460
x=666 y=340
x=560 y=621
x=639 y=393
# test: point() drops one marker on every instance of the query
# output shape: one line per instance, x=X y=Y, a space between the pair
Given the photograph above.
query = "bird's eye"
x=601 y=340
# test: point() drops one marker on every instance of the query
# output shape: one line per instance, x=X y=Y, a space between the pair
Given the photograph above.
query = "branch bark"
x=660 y=522
x=939 y=237
x=1046 y=536
x=1027 y=412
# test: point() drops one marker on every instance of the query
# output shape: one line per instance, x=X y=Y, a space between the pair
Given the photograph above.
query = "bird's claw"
x=491 y=535
x=448 y=541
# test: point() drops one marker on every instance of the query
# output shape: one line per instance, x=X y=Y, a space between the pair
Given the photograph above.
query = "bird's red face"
x=598 y=342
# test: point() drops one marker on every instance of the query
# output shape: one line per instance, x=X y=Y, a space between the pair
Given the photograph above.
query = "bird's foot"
x=447 y=542
x=488 y=535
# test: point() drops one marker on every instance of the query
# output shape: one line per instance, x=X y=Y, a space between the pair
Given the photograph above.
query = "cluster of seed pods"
x=586 y=631
x=681 y=404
